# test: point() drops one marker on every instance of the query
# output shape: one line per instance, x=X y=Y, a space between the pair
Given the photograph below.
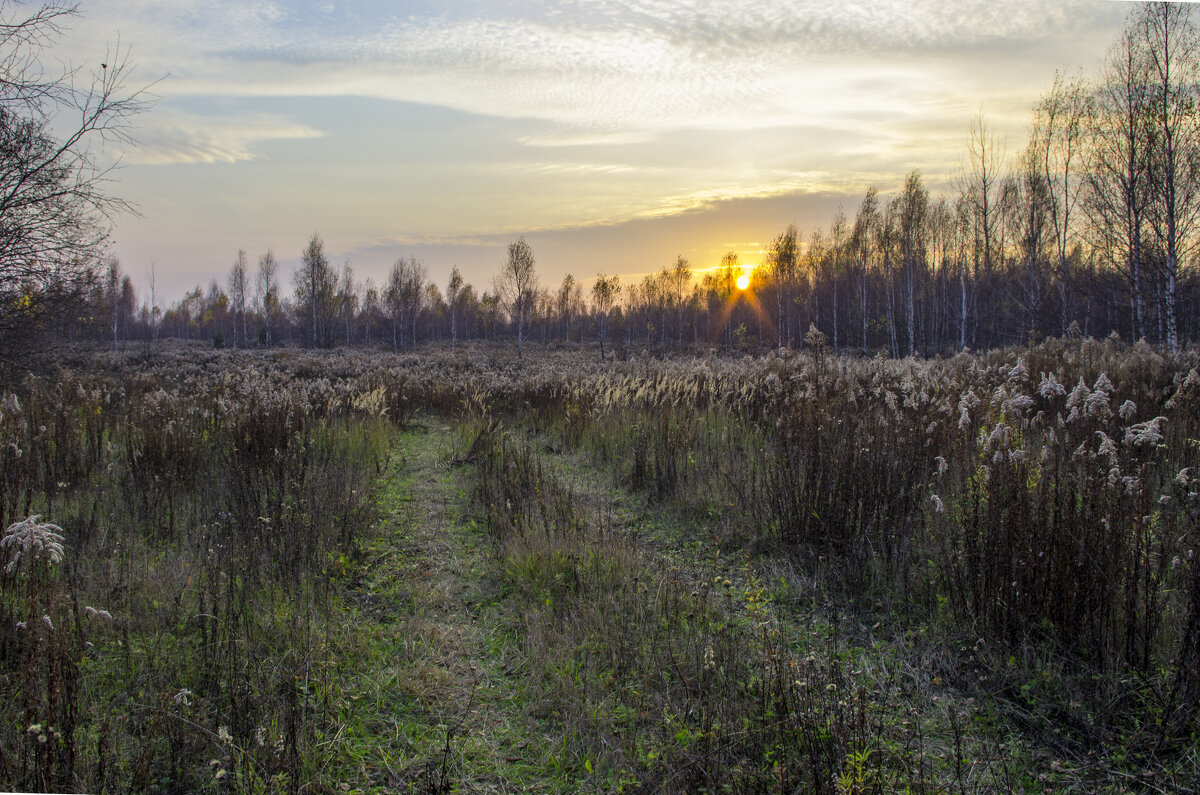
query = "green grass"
x=432 y=699
x=338 y=574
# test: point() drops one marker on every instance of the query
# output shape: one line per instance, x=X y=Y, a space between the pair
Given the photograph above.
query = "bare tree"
x=564 y=304
x=722 y=285
x=913 y=207
x=1171 y=43
x=679 y=277
x=815 y=259
x=941 y=258
x=403 y=295
x=453 y=294
x=654 y=294
x=517 y=286
x=1030 y=216
x=155 y=311
x=347 y=298
x=985 y=158
x=862 y=238
x=316 y=283
x=370 y=308
x=237 y=296
x=268 y=290
x=604 y=296
x=837 y=245
x=886 y=236
x=783 y=257
x=1116 y=183
x=112 y=291
x=434 y=307
x=1056 y=142
x=963 y=234
x=393 y=296
x=54 y=193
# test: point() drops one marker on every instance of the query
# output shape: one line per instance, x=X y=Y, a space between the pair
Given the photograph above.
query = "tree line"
x=1089 y=228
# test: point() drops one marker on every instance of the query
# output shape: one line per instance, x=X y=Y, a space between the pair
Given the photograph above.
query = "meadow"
x=286 y=571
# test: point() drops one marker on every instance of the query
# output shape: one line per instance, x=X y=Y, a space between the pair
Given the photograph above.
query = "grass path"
x=435 y=703
x=460 y=672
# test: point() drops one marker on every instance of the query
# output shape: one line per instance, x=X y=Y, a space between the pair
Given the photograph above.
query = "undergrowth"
x=663 y=682
x=1013 y=534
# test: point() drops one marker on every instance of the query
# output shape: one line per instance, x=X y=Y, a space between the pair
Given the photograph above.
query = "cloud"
x=173 y=137
x=489 y=119
x=586 y=139
x=595 y=65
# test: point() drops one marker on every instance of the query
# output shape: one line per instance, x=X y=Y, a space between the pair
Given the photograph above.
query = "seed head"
x=1144 y=434
x=1049 y=387
x=32 y=541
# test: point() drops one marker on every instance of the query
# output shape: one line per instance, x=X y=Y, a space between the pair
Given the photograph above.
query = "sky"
x=614 y=135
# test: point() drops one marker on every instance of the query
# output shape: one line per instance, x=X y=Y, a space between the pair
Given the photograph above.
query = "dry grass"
x=1018 y=528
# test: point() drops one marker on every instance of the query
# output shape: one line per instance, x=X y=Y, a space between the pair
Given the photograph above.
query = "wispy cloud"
x=567 y=139
x=173 y=137
x=459 y=122
x=595 y=64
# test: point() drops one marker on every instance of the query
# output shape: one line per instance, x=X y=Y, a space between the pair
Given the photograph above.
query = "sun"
x=743 y=281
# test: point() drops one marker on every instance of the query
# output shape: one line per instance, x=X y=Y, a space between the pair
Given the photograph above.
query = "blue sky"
x=613 y=134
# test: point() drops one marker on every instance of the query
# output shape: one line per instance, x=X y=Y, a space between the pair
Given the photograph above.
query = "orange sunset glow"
x=602 y=131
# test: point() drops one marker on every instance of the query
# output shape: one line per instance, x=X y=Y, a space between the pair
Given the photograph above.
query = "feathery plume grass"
x=32 y=541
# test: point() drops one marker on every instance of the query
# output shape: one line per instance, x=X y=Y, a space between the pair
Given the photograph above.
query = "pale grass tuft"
x=94 y=613
x=815 y=337
x=1096 y=404
x=373 y=403
x=32 y=541
x=1144 y=433
x=1050 y=387
x=1019 y=372
x=1077 y=399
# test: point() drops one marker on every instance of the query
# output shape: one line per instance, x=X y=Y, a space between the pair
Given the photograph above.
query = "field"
x=262 y=571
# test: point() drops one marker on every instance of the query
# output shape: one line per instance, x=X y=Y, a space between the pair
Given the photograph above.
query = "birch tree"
x=912 y=209
x=237 y=297
x=837 y=245
x=862 y=239
x=980 y=178
x=1057 y=142
x=1116 y=184
x=268 y=289
x=453 y=293
x=517 y=286
x=783 y=258
x=604 y=296
x=1171 y=44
